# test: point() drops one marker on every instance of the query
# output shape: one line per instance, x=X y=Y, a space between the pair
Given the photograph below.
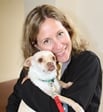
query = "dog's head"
x=42 y=63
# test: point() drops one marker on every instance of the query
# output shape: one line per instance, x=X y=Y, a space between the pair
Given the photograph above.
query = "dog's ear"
x=27 y=62
x=58 y=70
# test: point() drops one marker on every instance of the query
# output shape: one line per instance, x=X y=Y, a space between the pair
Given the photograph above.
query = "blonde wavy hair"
x=32 y=24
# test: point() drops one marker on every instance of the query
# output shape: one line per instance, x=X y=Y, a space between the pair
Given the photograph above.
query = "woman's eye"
x=47 y=41
x=60 y=33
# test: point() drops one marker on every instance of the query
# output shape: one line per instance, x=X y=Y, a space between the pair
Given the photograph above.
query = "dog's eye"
x=40 y=60
x=53 y=58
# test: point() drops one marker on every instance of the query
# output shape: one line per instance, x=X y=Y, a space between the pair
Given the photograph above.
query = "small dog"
x=43 y=73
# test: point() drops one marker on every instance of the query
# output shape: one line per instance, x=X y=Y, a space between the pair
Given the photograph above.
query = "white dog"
x=43 y=73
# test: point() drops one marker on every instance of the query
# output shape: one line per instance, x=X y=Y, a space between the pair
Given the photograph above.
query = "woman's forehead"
x=49 y=27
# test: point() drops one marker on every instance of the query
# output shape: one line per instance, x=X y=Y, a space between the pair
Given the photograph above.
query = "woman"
x=47 y=28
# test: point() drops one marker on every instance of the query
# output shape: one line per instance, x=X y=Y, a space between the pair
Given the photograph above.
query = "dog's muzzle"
x=50 y=66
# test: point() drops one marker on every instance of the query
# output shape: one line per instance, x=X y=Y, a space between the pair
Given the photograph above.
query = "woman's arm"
x=86 y=74
x=15 y=98
x=31 y=95
x=37 y=99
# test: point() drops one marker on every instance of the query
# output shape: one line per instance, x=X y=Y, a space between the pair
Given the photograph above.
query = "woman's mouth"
x=60 y=54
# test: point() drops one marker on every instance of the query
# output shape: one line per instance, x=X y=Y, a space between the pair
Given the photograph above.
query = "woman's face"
x=53 y=36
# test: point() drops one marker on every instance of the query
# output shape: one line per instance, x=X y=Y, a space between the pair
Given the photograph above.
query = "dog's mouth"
x=50 y=66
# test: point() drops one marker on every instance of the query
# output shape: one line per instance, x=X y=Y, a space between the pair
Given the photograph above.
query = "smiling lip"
x=60 y=53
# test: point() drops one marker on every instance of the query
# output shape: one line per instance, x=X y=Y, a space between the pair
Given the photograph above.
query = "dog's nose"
x=51 y=66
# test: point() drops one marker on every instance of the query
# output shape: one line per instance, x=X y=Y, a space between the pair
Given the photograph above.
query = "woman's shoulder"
x=87 y=55
x=86 y=58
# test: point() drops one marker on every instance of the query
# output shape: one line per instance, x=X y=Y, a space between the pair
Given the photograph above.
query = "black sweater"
x=86 y=73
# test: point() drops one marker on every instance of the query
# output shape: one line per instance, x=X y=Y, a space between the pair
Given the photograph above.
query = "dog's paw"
x=69 y=84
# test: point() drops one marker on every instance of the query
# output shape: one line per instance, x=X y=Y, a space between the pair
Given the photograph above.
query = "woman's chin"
x=63 y=59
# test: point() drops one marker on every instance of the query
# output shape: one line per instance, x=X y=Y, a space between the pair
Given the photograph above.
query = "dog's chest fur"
x=50 y=87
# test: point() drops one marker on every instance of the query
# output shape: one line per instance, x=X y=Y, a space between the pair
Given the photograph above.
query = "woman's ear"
x=27 y=62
